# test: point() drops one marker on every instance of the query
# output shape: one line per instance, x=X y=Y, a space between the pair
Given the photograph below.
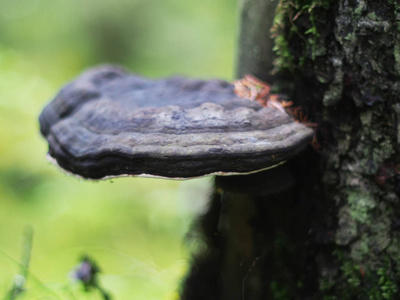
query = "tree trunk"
x=343 y=60
x=255 y=51
x=327 y=225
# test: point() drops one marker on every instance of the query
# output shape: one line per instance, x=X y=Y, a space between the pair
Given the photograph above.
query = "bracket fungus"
x=110 y=123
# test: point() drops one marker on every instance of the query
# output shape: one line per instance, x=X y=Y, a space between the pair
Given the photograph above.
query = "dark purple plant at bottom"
x=86 y=273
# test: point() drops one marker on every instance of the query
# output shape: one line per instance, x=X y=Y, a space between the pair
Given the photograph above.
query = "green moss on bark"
x=288 y=16
x=344 y=63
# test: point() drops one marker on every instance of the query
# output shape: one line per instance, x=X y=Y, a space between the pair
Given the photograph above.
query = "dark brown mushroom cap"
x=109 y=123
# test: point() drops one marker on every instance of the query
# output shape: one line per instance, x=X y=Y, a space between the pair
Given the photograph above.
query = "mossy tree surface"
x=328 y=227
x=342 y=59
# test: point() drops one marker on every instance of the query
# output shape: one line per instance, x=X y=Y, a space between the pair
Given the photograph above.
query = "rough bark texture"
x=256 y=242
x=334 y=231
x=343 y=58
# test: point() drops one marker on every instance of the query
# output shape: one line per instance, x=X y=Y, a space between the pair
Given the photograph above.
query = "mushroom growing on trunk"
x=109 y=123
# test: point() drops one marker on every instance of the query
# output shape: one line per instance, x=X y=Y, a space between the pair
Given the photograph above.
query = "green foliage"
x=360 y=205
x=290 y=19
x=278 y=291
x=387 y=285
x=362 y=282
x=349 y=283
x=133 y=227
x=384 y=287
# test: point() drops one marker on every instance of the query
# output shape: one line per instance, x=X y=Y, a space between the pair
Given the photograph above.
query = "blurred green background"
x=133 y=228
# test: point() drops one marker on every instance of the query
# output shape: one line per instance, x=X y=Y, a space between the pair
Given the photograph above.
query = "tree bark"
x=333 y=231
x=255 y=50
x=343 y=58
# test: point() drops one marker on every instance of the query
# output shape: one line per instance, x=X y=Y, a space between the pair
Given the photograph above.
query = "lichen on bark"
x=343 y=61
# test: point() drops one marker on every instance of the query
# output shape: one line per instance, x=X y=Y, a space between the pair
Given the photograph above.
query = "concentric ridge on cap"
x=109 y=123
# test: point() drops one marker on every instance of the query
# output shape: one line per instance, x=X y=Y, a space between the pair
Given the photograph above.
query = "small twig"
x=255 y=261
x=20 y=279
